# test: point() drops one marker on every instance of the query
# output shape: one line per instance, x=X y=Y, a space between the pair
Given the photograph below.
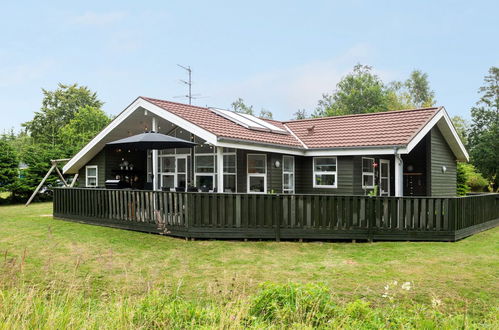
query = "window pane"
x=384 y=169
x=167 y=164
x=92 y=182
x=166 y=151
x=368 y=180
x=257 y=184
x=325 y=179
x=181 y=181
x=229 y=163
x=204 y=149
x=287 y=181
x=384 y=185
x=168 y=181
x=229 y=150
x=91 y=171
x=327 y=164
x=367 y=165
x=204 y=182
x=181 y=165
x=257 y=164
x=205 y=164
x=229 y=183
x=287 y=164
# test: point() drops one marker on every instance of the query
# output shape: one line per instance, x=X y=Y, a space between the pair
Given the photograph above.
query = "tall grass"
x=55 y=305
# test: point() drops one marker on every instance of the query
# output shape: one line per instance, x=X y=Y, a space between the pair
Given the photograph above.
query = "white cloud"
x=24 y=73
x=285 y=91
x=93 y=18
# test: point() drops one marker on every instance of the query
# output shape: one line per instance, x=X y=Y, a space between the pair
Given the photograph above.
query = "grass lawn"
x=102 y=264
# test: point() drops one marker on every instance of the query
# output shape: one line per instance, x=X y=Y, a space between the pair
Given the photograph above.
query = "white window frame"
x=324 y=172
x=292 y=190
x=384 y=161
x=92 y=176
x=232 y=153
x=250 y=175
x=212 y=174
x=368 y=173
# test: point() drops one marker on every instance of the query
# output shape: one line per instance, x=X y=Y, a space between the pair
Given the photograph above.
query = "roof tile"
x=364 y=130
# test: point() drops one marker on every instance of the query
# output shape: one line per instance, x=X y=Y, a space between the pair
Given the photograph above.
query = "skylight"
x=248 y=121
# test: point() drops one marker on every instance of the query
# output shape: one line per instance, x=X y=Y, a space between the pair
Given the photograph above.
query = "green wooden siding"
x=304 y=176
x=441 y=184
x=100 y=161
x=274 y=174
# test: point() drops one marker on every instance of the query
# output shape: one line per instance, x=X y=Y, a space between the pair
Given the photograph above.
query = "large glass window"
x=288 y=174
x=324 y=174
x=204 y=169
x=229 y=172
x=91 y=176
x=367 y=172
x=205 y=164
x=257 y=173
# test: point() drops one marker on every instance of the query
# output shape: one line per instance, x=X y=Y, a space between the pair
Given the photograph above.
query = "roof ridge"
x=362 y=114
x=187 y=105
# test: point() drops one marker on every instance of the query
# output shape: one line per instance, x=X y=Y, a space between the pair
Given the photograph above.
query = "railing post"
x=277 y=215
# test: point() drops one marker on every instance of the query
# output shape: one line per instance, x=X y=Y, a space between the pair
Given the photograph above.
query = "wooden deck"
x=259 y=216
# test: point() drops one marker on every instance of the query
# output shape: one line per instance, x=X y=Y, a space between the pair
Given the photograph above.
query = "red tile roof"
x=364 y=130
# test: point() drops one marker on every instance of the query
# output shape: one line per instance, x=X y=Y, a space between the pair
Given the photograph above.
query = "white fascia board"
x=442 y=120
x=112 y=125
x=138 y=103
x=353 y=152
x=179 y=121
x=450 y=134
x=427 y=128
x=259 y=147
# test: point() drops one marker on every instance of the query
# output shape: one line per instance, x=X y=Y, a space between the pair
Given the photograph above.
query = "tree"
x=58 y=108
x=37 y=158
x=239 y=106
x=300 y=114
x=87 y=122
x=419 y=90
x=461 y=126
x=266 y=114
x=9 y=164
x=358 y=92
x=462 y=187
x=483 y=134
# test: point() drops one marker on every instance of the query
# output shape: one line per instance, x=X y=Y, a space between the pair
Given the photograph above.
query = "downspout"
x=399 y=173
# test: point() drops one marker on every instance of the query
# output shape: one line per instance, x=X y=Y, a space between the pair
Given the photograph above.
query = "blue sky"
x=277 y=55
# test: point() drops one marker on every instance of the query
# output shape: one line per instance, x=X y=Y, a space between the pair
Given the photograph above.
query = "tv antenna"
x=188 y=82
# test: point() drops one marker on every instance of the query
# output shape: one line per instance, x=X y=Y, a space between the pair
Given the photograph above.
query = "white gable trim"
x=72 y=165
x=442 y=120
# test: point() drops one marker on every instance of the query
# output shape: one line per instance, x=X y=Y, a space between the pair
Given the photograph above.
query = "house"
x=402 y=153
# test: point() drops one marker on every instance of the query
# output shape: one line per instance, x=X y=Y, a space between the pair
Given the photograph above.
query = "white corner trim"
x=294 y=135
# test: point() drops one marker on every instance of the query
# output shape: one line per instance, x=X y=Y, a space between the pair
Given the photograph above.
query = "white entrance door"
x=384 y=177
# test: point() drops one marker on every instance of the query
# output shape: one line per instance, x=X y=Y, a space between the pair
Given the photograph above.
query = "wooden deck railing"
x=206 y=215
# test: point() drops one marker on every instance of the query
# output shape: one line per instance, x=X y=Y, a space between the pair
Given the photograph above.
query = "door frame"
x=387 y=162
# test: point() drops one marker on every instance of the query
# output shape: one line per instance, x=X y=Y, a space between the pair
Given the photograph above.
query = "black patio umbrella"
x=151 y=140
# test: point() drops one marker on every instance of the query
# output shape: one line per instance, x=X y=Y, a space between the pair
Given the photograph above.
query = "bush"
x=469 y=179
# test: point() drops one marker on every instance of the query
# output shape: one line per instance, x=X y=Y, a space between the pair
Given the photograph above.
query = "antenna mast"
x=189 y=82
